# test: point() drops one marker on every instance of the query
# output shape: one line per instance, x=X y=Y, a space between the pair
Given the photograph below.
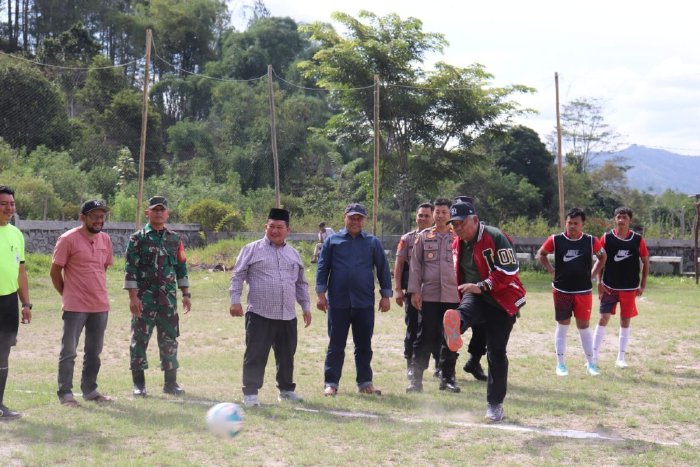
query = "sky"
x=641 y=59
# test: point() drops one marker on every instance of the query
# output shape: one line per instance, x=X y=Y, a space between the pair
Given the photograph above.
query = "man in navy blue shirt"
x=345 y=271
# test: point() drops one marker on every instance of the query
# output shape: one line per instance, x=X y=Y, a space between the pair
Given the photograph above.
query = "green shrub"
x=208 y=213
x=232 y=222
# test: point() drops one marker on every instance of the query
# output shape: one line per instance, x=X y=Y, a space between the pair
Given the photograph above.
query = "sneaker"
x=592 y=369
x=621 y=364
x=330 y=391
x=451 y=323
x=251 y=400
x=562 y=370
x=7 y=414
x=495 y=413
x=289 y=396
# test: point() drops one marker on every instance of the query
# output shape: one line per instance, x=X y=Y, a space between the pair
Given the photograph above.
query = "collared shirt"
x=345 y=270
x=84 y=261
x=275 y=277
x=432 y=268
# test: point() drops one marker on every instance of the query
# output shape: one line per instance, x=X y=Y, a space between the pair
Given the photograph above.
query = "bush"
x=208 y=213
x=232 y=222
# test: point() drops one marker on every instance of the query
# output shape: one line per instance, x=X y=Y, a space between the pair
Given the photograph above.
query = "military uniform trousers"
x=166 y=321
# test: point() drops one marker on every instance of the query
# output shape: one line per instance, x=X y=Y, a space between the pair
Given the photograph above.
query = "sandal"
x=370 y=389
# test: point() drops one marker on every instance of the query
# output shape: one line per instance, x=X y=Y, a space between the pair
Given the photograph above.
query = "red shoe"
x=451 y=326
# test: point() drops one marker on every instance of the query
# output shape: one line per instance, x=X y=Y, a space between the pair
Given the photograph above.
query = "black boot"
x=139 y=383
x=171 y=386
x=473 y=366
x=5 y=413
x=415 y=383
x=449 y=384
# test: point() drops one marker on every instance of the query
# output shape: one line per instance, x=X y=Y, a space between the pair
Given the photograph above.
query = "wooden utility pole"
x=144 y=128
x=695 y=234
x=560 y=168
x=377 y=139
x=273 y=135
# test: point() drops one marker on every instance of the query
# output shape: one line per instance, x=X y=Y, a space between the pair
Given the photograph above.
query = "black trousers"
x=261 y=334
x=430 y=337
x=497 y=324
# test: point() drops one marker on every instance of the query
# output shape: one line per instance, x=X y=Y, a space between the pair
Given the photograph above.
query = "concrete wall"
x=40 y=236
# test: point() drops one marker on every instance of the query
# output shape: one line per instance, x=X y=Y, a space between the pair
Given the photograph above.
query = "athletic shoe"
x=251 y=400
x=562 y=370
x=7 y=414
x=289 y=396
x=621 y=364
x=495 y=413
x=592 y=369
x=451 y=323
x=330 y=391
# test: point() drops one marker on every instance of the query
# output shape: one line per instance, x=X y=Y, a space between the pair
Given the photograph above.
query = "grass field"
x=644 y=415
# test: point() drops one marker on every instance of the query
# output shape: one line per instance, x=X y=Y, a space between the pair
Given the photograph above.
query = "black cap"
x=355 y=208
x=277 y=214
x=461 y=210
x=91 y=205
x=463 y=199
x=157 y=201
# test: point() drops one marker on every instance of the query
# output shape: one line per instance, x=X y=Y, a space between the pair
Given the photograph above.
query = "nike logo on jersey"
x=571 y=255
x=622 y=255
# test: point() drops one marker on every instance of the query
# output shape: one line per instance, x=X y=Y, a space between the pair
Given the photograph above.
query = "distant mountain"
x=655 y=170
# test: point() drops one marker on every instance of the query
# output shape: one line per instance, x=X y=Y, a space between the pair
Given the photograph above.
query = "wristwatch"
x=27 y=305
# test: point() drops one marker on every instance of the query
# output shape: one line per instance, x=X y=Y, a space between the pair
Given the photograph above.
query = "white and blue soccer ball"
x=225 y=419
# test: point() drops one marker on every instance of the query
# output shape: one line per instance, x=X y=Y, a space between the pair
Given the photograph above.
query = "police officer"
x=424 y=217
x=155 y=267
x=433 y=285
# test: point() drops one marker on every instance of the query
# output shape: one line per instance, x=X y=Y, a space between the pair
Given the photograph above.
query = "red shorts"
x=577 y=304
x=627 y=300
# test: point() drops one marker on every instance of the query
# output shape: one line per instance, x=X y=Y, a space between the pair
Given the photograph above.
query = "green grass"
x=650 y=409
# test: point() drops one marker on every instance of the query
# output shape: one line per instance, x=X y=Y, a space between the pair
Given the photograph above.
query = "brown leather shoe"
x=99 y=398
x=330 y=391
x=370 y=389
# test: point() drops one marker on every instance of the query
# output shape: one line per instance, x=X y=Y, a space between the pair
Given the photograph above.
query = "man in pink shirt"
x=78 y=272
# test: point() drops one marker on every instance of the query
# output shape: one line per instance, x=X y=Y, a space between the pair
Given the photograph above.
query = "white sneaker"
x=592 y=369
x=251 y=400
x=562 y=370
x=289 y=396
x=621 y=364
x=495 y=413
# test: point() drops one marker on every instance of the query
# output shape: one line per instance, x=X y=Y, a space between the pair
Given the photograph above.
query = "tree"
x=585 y=132
x=31 y=109
x=447 y=106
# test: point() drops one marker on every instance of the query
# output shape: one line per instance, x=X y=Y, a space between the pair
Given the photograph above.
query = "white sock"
x=624 y=340
x=560 y=341
x=587 y=344
x=598 y=337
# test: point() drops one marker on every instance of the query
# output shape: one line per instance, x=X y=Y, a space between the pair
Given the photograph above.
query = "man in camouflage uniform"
x=155 y=267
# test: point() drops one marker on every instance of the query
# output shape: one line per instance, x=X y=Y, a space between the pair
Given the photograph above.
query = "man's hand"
x=26 y=315
x=186 y=304
x=236 y=310
x=640 y=290
x=399 y=297
x=135 y=306
x=469 y=288
x=384 y=304
x=322 y=302
x=307 y=318
x=417 y=301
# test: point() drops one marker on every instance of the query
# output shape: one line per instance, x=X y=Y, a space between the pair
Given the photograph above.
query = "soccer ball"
x=225 y=419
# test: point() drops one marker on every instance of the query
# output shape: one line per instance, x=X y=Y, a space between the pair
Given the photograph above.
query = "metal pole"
x=560 y=169
x=144 y=127
x=273 y=135
x=375 y=209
